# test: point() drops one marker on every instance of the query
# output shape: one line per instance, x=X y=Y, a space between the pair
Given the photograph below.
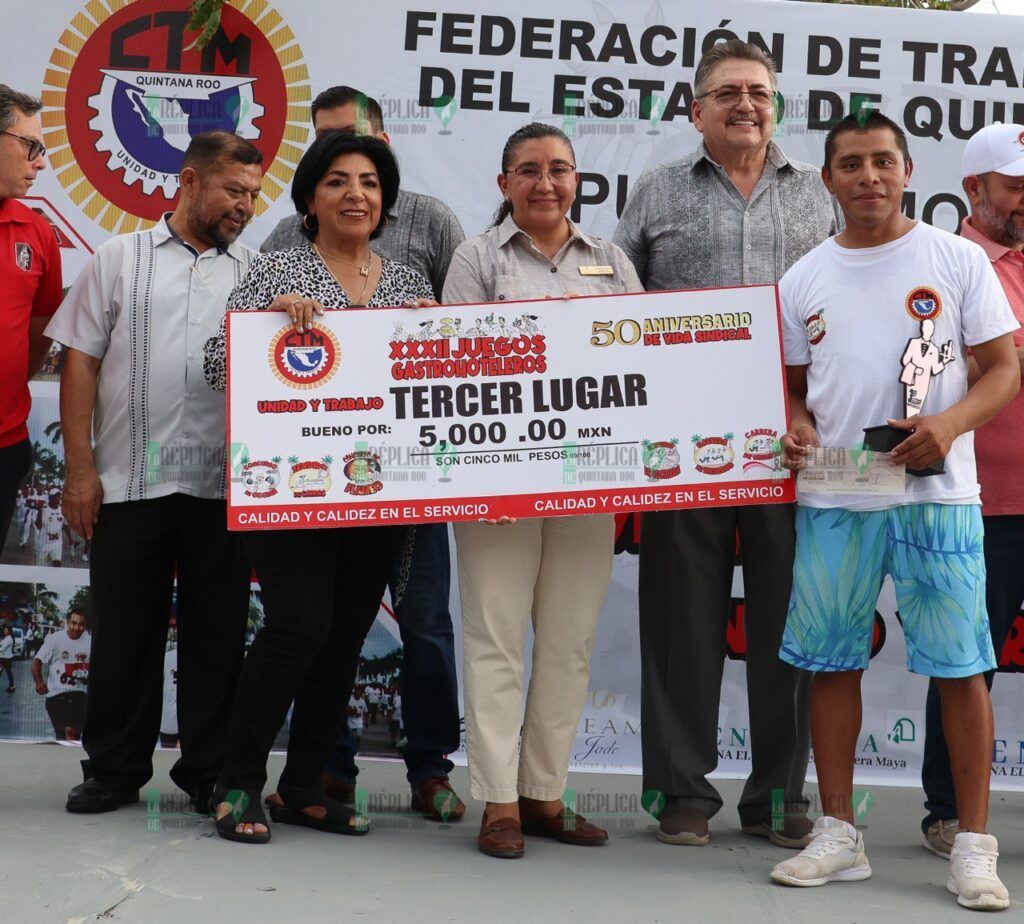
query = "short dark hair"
x=528 y=132
x=864 y=121
x=208 y=150
x=366 y=106
x=317 y=161
x=12 y=101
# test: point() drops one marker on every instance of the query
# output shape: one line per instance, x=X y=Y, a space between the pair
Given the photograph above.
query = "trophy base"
x=885 y=439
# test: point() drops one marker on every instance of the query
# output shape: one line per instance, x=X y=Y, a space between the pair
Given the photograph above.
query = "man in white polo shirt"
x=881 y=284
x=150 y=492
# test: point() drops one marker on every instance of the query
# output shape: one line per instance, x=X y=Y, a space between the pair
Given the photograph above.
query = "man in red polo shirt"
x=993 y=178
x=30 y=280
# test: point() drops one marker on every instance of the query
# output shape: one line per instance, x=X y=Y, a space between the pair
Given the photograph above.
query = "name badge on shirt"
x=596 y=271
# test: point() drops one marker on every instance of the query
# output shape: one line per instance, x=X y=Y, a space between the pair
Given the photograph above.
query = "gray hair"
x=11 y=100
x=734 y=49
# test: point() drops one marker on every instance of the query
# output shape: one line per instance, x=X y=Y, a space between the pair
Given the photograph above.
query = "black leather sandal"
x=338 y=817
x=245 y=810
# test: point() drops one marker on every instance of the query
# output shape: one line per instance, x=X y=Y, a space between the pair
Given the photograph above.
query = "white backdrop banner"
x=123 y=94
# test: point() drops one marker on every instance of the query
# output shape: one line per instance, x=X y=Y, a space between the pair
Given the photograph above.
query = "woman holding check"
x=553 y=571
x=321 y=587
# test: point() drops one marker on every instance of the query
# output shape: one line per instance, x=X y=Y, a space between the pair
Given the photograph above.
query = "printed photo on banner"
x=39 y=535
x=44 y=651
x=53 y=362
x=375 y=707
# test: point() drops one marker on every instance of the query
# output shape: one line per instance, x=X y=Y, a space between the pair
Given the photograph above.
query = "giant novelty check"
x=603 y=404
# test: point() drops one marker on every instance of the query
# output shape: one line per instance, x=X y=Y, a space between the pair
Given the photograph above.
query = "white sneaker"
x=835 y=854
x=972 y=873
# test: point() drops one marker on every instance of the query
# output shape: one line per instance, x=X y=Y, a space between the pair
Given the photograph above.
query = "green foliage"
x=80 y=603
x=47 y=466
x=388 y=665
x=44 y=602
x=206 y=20
x=254 y=622
x=906 y=4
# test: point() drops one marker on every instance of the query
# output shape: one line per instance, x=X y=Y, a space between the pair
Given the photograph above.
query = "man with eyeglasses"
x=30 y=279
x=736 y=211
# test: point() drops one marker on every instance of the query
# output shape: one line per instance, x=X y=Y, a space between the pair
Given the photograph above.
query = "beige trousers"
x=554 y=572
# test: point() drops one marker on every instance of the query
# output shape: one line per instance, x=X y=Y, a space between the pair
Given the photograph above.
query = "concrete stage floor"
x=60 y=868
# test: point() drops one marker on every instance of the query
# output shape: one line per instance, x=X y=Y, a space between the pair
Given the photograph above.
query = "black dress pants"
x=321 y=592
x=137 y=547
x=686 y=572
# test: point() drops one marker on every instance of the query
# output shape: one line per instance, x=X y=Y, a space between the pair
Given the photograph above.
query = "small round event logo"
x=713 y=455
x=761 y=448
x=362 y=469
x=924 y=304
x=124 y=95
x=311 y=478
x=661 y=459
x=261 y=477
x=304 y=360
x=815 y=325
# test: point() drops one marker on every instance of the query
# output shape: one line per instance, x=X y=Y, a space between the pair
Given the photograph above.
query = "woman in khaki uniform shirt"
x=553 y=571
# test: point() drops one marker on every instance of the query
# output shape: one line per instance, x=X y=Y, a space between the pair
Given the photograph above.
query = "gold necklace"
x=364 y=273
x=363 y=270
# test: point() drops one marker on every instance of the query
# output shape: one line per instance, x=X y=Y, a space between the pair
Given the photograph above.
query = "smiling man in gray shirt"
x=423 y=233
x=736 y=211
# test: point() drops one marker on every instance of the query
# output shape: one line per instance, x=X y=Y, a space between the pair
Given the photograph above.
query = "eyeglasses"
x=560 y=173
x=727 y=97
x=35 y=148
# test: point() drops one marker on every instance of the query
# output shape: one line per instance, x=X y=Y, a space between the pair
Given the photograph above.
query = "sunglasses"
x=35 y=148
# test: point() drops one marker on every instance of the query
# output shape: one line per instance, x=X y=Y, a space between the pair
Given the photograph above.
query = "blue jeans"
x=1004 y=591
x=419 y=588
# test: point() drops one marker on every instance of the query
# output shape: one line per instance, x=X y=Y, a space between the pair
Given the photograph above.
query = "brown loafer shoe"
x=436 y=799
x=939 y=837
x=684 y=826
x=794 y=833
x=501 y=838
x=566 y=826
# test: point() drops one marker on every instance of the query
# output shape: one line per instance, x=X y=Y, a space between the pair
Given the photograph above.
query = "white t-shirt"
x=66 y=661
x=53 y=525
x=856 y=318
x=169 y=714
x=396 y=707
x=7 y=648
x=356 y=710
x=50 y=539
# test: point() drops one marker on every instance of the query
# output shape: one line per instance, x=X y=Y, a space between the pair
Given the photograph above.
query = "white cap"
x=997 y=148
